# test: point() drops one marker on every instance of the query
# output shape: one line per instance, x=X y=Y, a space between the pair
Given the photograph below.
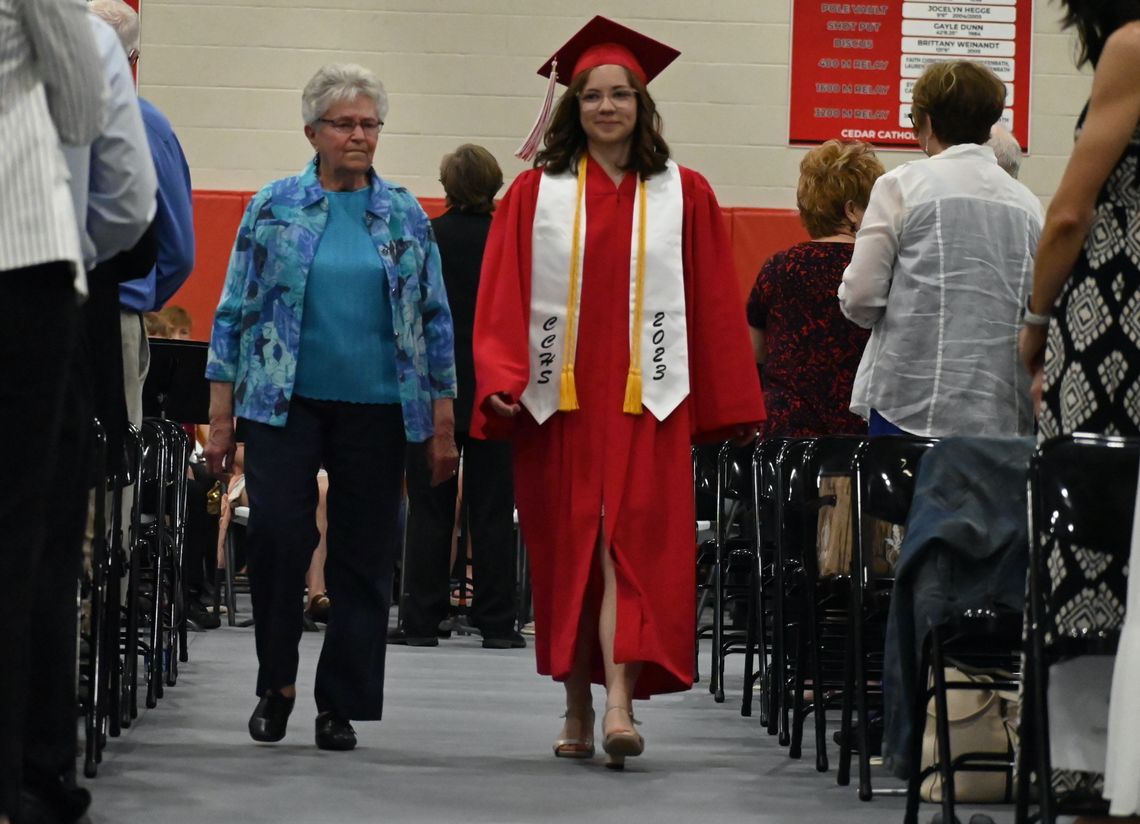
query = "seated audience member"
x=1006 y=150
x=155 y=325
x=178 y=321
x=471 y=177
x=197 y=569
x=941 y=270
x=318 y=592
x=235 y=496
x=809 y=352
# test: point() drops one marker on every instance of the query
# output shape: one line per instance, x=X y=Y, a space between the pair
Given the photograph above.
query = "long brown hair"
x=565 y=140
x=1095 y=21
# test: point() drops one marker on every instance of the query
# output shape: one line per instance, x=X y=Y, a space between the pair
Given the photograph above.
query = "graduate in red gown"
x=610 y=336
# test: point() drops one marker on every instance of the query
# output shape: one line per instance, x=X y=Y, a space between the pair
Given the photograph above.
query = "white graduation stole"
x=664 y=352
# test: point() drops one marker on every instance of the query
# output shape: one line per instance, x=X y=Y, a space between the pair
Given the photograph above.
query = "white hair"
x=341 y=83
x=1006 y=149
x=122 y=18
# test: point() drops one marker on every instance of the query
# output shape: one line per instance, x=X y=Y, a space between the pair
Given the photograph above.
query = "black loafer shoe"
x=513 y=640
x=270 y=718
x=403 y=638
x=334 y=733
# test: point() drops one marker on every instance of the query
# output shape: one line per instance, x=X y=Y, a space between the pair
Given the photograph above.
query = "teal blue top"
x=348 y=348
x=257 y=327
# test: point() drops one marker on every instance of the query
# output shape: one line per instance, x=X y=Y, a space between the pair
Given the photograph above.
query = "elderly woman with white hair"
x=332 y=345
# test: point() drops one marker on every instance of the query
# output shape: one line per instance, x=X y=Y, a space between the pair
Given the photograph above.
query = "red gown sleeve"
x=724 y=387
x=502 y=310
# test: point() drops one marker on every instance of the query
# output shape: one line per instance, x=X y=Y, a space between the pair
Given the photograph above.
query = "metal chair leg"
x=820 y=701
x=115 y=620
x=795 y=748
x=750 y=642
x=843 y=777
x=942 y=725
x=918 y=725
x=231 y=596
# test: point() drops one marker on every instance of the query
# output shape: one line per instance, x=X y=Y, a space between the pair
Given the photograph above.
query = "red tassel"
x=529 y=147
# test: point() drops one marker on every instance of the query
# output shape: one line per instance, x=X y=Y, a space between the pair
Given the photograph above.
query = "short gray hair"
x=340 y=83
x=121 y=17
x=1006 y=149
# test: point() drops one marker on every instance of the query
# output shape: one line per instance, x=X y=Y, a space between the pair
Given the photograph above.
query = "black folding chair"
x=986 y=641
x=97 y=669
x=704 y=505
x=786 y=568
x=1082 y=489
x=133 y=558
x=733 y=555
x=823 y=602
x=176 y=390
x=164 y=470
x=883 y=475
x=178 y=447
x=761 y=592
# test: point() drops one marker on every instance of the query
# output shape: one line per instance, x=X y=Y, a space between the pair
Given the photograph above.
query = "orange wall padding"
x=755 y=233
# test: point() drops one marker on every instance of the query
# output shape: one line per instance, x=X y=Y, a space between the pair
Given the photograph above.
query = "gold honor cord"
x=568 y=390
x=632 y=404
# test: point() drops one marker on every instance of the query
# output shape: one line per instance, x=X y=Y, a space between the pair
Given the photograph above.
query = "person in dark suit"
x=470 y=176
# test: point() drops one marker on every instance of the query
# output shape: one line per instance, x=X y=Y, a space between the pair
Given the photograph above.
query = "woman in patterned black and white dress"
x=1082 y=339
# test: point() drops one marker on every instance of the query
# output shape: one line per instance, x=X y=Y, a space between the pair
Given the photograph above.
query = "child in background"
x=178 y=322
x=156 y=325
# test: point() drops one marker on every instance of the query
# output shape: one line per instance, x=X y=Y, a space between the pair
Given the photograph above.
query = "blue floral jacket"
x=257 y=328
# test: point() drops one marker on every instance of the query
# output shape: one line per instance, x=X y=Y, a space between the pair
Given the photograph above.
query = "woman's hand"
x=443 y=457
x=502 y=405
x=220 y=446
x=1031 y=348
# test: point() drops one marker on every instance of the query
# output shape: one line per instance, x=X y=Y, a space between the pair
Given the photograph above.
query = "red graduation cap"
x=601 y=42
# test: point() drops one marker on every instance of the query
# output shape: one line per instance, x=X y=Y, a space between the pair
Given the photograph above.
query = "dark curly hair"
x=1095 y=21
x=565 y=140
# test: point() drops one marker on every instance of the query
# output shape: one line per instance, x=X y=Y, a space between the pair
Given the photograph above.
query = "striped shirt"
x=51 y=89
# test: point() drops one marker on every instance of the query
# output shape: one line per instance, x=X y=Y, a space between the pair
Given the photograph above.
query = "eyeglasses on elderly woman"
x=346 y=126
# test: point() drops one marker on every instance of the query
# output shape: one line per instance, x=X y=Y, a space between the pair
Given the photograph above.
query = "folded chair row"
x=134 y=590
x=814 y=639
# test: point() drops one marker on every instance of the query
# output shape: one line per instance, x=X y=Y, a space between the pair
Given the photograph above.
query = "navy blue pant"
x=362 y=448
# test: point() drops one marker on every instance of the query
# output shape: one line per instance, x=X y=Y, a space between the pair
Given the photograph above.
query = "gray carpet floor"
x=465 y=738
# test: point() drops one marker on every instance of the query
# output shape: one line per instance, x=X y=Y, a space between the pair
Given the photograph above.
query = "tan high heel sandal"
x=623 y=744
x=576 y=747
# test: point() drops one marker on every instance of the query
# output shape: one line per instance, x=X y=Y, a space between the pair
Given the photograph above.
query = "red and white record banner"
x=854 y=65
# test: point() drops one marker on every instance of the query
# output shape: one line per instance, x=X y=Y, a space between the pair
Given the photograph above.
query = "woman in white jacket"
x=940 y=272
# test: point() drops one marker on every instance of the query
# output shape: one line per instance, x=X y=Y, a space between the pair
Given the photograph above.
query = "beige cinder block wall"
x=228 y=75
